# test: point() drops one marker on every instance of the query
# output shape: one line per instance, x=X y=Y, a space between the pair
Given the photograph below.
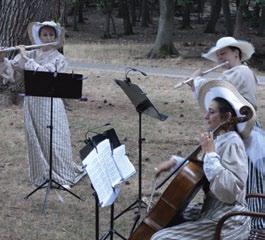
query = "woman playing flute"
x=234 y=52
x=37 y=109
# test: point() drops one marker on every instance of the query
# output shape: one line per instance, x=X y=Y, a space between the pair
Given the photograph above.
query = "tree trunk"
x=113 y=25
x=63 y=13
x=227 y=16
x=200 y=11
x=237 y=3
x=55 y=7
x=238 y=31
x=145 y=18
x=163 y=45
x=261 y=28
x=80 y=11
x=107 y=10
x=126 y=18
x=186 y=16
x=107 y=34
x=215 y=13
x=14 y=19
x=256 y=13
x=153 y=9
x=60 y=11
x=76 y=9
x=133 y=12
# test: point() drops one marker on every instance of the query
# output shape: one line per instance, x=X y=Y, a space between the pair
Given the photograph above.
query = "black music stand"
x=52 y=85
x=91 y=143
x=142 y=105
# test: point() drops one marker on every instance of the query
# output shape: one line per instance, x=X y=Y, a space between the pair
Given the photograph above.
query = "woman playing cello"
x=225 y=166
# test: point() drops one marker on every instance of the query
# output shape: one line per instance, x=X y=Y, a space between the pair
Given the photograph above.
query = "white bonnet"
x=34 y=28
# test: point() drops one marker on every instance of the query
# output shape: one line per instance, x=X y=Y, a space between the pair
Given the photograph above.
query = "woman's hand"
x=165 y=166
x=195 y=74
x=191 y=84
x=22 y=51
x=207 y=143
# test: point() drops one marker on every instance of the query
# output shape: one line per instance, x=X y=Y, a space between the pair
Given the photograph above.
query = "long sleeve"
x=227 y=171
x=244 y=80
x=198 y=82
x=6 y=71
x=47 y=62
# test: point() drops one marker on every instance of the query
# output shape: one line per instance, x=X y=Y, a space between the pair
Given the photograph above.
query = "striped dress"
x=226 y=170
x=256 y=181
x=245 y=82
x=37 y=117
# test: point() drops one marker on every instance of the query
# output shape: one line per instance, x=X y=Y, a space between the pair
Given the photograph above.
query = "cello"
x=188 y=180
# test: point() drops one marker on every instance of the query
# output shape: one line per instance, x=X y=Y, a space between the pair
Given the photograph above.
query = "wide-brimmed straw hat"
x=34 y=28
x=245 y=47
x=223 y=89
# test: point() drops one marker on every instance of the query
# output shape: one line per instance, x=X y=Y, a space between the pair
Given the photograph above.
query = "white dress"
x=245 y=82
x=227 y=171
x=37 y=119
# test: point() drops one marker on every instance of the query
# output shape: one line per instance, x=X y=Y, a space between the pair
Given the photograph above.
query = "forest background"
x=164 y=38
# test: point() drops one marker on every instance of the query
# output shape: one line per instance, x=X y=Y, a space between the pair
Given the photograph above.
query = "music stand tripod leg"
x=129 y=208
x=36 y=189
x=65 y=189
x=50 y=180
x=112 y=231
x=46 y=196
x=97 y=215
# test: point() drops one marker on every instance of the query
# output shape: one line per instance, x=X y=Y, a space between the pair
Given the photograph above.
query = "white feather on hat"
x=219 y=88
x=245 y=47
x=34 y=28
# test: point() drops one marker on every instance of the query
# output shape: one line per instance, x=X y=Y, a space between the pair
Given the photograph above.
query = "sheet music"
x=106 y=170
x=107 y=163
x=99 y=179
x=123 y=163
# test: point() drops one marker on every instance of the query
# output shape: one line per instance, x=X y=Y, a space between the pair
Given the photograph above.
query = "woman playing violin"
x=225 y=165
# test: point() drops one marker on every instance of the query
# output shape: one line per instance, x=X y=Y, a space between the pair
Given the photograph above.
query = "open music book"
x=107 y=169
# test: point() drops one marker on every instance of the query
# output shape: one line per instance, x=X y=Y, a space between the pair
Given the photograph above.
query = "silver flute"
x=202 y=74
x=29 y=46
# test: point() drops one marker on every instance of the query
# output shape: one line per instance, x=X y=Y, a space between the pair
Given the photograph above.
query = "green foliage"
x=183 y=2
x=71 y=1
x=102 y=3
x=261 y=3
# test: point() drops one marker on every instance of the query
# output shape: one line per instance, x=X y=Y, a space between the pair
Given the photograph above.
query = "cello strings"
x=152 y=194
